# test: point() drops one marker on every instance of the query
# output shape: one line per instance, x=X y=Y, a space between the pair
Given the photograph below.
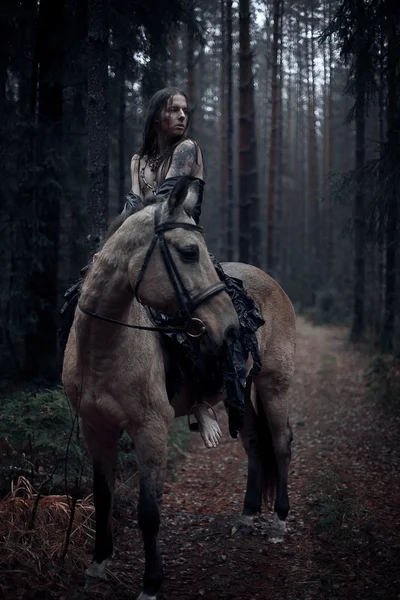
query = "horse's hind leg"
x=272 y=401
x=254 y=487
x=151 y=449
x=103 y=451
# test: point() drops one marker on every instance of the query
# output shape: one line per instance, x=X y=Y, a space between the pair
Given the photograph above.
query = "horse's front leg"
x=102 y=447
x=249 y=436
x=151 y=449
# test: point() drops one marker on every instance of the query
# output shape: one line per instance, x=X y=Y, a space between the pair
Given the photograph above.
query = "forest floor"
x=343 y=537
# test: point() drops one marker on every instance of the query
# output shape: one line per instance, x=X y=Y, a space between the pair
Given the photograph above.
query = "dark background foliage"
x=295 y=105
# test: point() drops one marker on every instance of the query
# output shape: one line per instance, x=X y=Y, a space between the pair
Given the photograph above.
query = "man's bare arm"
x=184 y=161
x=135 y=175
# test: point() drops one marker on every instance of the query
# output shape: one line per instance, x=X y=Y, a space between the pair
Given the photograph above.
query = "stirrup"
x=195 y=426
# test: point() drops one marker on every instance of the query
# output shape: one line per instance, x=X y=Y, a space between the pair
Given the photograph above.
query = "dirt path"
x=344 y=531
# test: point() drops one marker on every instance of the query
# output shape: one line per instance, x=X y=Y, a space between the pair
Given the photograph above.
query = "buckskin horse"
x=115 y=376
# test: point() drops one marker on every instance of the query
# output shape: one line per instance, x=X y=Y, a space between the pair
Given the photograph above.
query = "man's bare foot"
x=208 y=426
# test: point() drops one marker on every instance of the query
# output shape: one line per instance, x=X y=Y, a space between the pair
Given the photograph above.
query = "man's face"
x=174 y=118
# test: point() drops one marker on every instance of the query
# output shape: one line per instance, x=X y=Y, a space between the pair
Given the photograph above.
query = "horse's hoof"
x=93 y=582
x=95 y=573
x=243 y=526
x=277 y=531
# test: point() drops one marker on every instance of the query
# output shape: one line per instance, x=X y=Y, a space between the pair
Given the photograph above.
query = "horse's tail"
x=266 y=453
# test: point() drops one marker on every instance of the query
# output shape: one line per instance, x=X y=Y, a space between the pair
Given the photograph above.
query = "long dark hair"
x=158 y=102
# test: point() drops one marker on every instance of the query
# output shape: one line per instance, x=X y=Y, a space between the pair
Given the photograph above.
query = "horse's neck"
x=106 y=293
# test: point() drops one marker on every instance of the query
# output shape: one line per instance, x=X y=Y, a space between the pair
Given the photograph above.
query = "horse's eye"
x=189 y=253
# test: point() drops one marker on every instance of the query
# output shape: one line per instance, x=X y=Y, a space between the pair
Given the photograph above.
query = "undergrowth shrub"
x=329 y=309
x=39 y=441
x=383 y=379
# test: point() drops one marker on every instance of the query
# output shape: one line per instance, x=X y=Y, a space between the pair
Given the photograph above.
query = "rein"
x=192 y=326
x=167 y=328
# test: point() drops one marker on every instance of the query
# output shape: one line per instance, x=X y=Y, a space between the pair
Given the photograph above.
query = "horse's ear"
x=184 y=193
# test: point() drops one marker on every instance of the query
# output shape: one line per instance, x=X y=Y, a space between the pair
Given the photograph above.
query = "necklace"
x=153 y=188
x=154 y=161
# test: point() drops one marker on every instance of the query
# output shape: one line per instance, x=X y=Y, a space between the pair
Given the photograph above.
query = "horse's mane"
x=131 y=210
x=118 y=220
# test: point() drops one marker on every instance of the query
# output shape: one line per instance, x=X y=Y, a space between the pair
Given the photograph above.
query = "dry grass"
x=33 y=533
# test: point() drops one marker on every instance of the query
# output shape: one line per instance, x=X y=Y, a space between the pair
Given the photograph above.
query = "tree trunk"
x=393 y=180
x=281 y=217
x=97 y=120
x=357 y=329
x=78 y=230
x=122 y=167
x=277 y=5
x=288 y=142
x=381 y=258
x=223 y=136
x=313 y=192
x=42 y=285
x=300 y=197
x=190 y=68
x=230 y=132
x=249 y=233
x=330 y=249
x=173 y=60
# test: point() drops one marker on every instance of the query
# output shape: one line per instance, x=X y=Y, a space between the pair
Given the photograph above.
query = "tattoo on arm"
x=183 y=159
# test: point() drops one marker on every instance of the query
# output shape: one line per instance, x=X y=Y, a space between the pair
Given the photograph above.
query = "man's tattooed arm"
x=183 y=159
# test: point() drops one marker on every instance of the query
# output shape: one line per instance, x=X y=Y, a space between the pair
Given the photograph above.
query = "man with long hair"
x=168 y=153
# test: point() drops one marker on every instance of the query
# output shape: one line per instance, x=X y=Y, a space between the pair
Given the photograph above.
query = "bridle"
x=191 y=325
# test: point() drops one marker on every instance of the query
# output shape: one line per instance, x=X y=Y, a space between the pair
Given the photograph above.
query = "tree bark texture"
x=393 y=179
x=230 y=132
x=191 y=84
x=223 y=134
x=273 y=146
x=41 y=341
x=122 y=167
x=97 y=120
x=249 y=225
x=313 y=195
x=357 y=329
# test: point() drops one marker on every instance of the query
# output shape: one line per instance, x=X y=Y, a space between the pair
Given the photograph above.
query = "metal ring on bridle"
x=195 y=323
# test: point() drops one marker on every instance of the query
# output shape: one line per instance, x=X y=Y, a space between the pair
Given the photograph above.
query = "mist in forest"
x=295 y=105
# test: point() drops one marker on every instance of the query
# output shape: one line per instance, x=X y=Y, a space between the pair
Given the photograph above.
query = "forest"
x=294 y=103
x=296 y=107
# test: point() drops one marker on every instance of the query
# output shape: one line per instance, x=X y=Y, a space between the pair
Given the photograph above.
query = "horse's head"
x=170 y=268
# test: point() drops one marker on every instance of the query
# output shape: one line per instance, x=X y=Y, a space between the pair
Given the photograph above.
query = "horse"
x=115 y=366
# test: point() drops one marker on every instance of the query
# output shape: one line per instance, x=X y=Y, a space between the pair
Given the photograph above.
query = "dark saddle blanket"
x=211 y=375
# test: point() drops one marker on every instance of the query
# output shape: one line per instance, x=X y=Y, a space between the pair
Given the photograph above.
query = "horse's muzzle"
x=212 y=346
x=231 y=334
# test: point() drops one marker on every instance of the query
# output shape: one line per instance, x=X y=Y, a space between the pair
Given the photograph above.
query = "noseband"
x=194 y=327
